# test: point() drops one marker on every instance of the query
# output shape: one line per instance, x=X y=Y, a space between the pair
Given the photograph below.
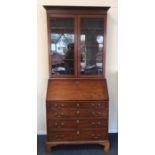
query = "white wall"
x=111 y=58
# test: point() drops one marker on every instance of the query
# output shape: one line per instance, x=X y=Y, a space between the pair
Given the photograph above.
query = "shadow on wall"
x=112 y=80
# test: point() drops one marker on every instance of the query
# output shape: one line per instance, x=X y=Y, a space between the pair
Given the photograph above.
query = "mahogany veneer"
x=77 y=102
x=77 y=112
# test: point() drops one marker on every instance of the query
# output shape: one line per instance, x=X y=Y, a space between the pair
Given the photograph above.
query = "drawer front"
x=66 y=113
x=75 y=135
x=78 y=104
x=77 y=123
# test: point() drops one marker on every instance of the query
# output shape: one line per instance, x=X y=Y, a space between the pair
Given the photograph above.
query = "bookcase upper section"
x=76 y=41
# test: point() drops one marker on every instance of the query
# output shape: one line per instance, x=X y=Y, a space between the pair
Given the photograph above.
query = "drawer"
x=75 y=135
x=77 y=123
x=66 y=113
x=78 y=104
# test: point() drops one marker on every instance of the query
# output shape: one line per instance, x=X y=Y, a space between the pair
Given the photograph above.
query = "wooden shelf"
x=72 y=28
x=93 y=46
x=91 y=28
x=62 y=28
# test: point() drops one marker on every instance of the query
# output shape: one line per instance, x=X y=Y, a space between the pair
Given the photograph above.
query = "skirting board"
x=43 y=132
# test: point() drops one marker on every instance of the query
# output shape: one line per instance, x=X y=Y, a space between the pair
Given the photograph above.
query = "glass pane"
x=62 y=46
x=91 y=46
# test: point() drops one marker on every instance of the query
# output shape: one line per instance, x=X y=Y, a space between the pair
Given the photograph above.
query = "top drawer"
x=77 y=104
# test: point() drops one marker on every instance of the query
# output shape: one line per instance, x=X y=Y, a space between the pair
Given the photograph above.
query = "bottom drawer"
x=75 y=135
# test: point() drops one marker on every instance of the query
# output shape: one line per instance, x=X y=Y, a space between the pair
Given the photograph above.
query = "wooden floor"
x=78 y=149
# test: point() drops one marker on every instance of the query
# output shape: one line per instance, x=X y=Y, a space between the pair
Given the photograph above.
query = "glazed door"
x=62 y=53
x=76 y=46
x=91 y=46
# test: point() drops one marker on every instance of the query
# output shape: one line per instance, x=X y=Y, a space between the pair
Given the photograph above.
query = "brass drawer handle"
x=96 y=136
x=77 y=104
x=62 y=113
x=62 y=124
x=93 y=113
x=93 y=123
x=78 y=132
x=62 y=105
x=77 y=111
x=77 y=121
x=96 y=124
x=59 y=137
x=99 y=104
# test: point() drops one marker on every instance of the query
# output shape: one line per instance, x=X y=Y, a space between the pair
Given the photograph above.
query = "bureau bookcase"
x=77 y=102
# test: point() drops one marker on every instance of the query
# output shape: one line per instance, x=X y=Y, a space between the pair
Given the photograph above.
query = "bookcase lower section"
x=105 y=143
x=78 y=117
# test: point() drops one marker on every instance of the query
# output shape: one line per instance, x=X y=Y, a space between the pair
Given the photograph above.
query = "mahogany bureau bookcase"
x=77 y=102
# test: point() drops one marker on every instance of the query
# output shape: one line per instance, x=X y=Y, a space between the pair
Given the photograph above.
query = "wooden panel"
x=83 y=89
x=77 y=105
x=76 y=10
x=77 y=123
x=73 y=135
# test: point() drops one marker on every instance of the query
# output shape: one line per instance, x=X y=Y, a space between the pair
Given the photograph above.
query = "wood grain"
x=76 y=123
x=77 y=106
x=82 y=89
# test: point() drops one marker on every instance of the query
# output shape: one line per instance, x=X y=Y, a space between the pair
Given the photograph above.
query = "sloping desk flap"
x=81 y=89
